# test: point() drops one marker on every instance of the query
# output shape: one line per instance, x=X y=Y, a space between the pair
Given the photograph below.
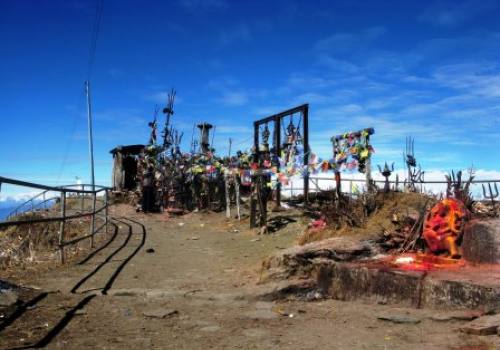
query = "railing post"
x=92 y=220
x=61 y=226
x=82 y=204
x=106 y=210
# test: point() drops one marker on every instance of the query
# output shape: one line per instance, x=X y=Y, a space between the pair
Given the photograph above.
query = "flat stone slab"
x=465 y=315
x=485 y=325
x=402 y=319
x=160 y=313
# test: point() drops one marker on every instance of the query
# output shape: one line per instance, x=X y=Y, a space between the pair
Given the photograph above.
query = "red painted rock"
x=443 y=226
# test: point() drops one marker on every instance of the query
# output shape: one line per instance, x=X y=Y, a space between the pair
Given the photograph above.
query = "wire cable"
x=93 y=39
x=92 y=50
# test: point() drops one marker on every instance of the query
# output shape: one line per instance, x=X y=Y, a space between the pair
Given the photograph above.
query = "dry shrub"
x=28 y=243
x=367 y=216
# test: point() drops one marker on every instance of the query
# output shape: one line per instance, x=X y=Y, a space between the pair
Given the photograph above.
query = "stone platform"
x=346 y=269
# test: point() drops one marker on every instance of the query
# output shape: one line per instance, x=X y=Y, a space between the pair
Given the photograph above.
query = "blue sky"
x=428 y=69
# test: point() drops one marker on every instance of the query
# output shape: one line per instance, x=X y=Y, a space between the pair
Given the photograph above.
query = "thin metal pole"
x=61 y=226
x=92 y=220
x=230 y=144
x=91 y=140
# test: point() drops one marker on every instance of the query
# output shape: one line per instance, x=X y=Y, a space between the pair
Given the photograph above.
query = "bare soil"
x=201 y=272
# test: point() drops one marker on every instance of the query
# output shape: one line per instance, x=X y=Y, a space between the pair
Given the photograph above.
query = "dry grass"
x=31 y=243
x=383 y=208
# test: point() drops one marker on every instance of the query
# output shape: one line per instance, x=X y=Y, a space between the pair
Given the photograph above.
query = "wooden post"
x=237 y=192
x=61 y=226
x=253 y=202
x=82 y=204
x=338 y=183
x=228 y=197
x=368 y=169
x=256 y=142
x=305 y=116
x=262 y=201
x=277 y=149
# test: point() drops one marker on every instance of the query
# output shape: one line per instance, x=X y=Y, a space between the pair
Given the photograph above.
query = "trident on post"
x=492 y=195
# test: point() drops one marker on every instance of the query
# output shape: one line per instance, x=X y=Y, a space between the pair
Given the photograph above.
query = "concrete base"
x=347 y=271
x=465 y=288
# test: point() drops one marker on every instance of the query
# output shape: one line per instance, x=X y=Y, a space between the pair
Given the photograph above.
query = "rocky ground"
x=193 y=282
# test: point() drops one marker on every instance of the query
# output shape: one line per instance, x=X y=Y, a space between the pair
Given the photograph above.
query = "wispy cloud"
x=116 y=73
x=455 y=13
x=476 y=78
x=342 y=42
x=233 y=129
x=237 y=34
x=233 y=98
x=197 y=5
x=232 y=94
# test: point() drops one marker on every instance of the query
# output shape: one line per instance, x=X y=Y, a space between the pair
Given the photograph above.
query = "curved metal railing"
x=78 y=191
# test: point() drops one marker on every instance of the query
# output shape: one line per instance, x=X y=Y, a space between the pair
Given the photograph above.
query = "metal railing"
x=33 y=204
x=315 y=186
x=63 y=214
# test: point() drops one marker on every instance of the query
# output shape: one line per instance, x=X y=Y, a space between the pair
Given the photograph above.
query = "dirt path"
x=200 y=272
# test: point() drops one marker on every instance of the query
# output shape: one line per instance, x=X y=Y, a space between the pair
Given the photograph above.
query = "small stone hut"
x=125 y=160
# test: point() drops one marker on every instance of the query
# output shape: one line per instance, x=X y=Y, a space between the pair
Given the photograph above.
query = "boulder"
x=486 y=325
x=481 y=241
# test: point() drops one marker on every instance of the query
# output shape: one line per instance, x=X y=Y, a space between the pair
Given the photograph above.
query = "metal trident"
x=492 y=194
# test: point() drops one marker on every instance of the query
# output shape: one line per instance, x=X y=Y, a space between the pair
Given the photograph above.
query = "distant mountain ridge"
x=7 y=205
x=5 y=211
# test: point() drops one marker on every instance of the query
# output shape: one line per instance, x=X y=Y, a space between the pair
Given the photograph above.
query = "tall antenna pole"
x=91 y=140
